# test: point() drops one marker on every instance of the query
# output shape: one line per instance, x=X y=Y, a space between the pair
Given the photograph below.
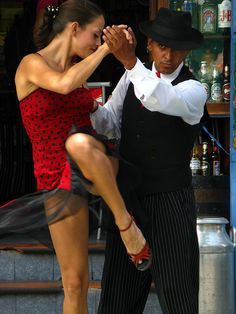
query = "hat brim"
x=192 y=40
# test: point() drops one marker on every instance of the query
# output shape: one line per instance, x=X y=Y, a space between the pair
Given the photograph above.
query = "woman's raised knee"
x=78 y=145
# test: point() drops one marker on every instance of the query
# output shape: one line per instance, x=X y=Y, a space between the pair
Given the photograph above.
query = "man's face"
x=166 y=59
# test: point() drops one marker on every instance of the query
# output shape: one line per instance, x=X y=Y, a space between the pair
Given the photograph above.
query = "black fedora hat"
x=173 y=29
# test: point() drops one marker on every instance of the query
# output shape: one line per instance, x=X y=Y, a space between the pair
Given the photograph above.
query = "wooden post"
x=154 y=5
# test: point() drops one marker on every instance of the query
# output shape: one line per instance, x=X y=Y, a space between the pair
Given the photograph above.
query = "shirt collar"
x=169 y=77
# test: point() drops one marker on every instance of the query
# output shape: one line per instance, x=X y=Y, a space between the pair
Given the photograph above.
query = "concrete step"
x=30 y=279
x=52 y=303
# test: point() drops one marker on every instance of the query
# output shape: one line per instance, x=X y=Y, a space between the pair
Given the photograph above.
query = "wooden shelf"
x=217 y=36
x=30 y=287
x=218 y=109
x=24 y=247
x=10 y=287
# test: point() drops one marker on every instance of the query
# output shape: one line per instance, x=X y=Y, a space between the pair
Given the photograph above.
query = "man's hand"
x=122 y=43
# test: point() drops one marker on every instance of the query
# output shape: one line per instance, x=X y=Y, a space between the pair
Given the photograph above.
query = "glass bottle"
x=226 y=83
x=195 y=163
x=188 y=63
x=224 y=17
x=208 y=17
x=216 y=87
x=205 y=160
x=215 y=160
x=204 y=78
x=208 y=56
x=175 y=6
x=191 y=6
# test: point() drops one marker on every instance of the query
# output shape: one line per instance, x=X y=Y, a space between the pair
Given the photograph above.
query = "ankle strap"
x=125 y=229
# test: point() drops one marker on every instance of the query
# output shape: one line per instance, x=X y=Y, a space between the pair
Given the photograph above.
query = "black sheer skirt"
x=32 y=213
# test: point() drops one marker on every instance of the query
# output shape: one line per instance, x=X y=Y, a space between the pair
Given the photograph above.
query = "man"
x=157 y=116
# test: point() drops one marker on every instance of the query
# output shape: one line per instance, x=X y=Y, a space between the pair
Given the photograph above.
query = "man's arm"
x=185 y=100
x=107 y=119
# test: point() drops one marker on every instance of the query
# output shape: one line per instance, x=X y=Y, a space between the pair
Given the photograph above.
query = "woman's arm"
x=34 y=72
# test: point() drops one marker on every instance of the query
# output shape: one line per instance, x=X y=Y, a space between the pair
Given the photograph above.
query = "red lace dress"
x=49 y=118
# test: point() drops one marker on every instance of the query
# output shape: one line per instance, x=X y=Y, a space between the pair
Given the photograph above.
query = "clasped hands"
x=122 y=44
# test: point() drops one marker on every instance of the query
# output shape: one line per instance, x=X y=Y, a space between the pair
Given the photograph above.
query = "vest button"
x=138 y=136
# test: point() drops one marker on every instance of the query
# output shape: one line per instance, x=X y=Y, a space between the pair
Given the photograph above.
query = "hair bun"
x=52 y=11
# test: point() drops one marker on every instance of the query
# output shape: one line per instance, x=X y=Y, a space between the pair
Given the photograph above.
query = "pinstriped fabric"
x=175 y=269
x=173 y=240
x=120 y=279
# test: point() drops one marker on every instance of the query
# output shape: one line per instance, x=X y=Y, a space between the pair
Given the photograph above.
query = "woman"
x=70 y=159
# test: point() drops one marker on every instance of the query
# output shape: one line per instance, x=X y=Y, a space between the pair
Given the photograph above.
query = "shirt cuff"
x=145 y=81
x=137 y=68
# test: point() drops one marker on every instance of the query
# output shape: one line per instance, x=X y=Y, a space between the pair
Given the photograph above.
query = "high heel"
x=143 y=259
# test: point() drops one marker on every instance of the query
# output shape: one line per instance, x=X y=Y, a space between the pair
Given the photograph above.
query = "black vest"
x=158 y=144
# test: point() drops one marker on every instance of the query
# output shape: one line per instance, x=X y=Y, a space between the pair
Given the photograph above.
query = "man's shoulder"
x=186 y=72
x=184 y=75
x=148 y=64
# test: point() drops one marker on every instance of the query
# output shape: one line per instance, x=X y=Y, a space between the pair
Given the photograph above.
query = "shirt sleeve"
x=185 y=100
x=107 y=118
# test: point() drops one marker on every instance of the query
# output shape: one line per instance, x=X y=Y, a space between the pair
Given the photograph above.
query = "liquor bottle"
x=208 y=17
x=191 y=6
x=195 y=163
x=205 y=160
x=188 y=63
x=216 y=86
x=215 y=160
x=204 y=78
x=226 y=84
x=224 y=17
x=175 y=6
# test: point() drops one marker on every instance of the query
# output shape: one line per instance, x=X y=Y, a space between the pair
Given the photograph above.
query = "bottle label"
x=195 y=166
x=224 y=15
x=216 y=168
x=188 y=6
x=208 y=20
x=226 y=92
x=205 y=168
x=216 y=93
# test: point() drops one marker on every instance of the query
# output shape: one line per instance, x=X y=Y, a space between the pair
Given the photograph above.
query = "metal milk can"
x=233 y=238
x=216 y=294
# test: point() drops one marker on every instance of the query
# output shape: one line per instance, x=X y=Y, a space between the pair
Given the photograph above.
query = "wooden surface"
x=221 y=109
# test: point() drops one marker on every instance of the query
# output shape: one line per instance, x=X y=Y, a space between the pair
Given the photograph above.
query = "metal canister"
x=233 y=238
x=216 y=295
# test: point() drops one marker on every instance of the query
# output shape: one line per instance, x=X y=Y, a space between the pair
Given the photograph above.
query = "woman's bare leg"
x=70 y=240
x=89 y=154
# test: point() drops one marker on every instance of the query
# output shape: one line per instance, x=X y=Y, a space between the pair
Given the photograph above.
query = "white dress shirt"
x=185 y=100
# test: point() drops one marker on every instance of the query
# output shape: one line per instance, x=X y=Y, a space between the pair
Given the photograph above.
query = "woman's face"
x=88 y=37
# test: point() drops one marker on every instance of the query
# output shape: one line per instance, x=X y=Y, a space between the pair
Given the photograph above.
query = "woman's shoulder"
x=32 y=58
x=27 y=64
x=22 y=82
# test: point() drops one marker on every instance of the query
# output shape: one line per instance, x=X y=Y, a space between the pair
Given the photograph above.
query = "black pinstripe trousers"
x=175 y=268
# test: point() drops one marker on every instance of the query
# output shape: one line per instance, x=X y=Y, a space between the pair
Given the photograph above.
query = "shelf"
x=218 y=109
x=217 y=36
